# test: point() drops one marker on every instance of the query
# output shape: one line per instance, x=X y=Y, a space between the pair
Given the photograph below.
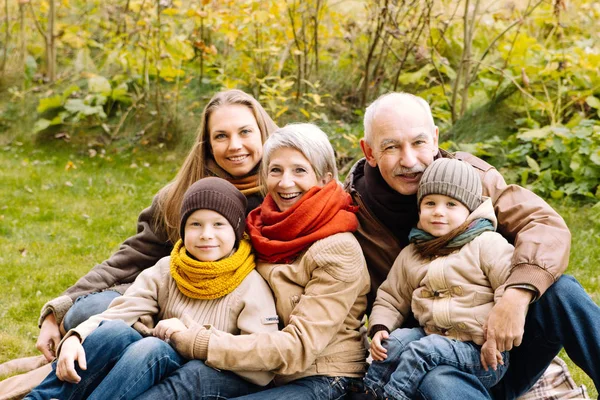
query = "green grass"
x=58 y=222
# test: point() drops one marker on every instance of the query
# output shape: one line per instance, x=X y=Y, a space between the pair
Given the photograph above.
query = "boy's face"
x=208 y=235
x=440 y=214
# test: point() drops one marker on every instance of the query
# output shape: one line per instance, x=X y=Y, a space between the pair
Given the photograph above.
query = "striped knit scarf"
x=211 y=279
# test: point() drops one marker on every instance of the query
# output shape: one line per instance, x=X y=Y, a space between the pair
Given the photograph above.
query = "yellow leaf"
x=70 y=165
x=305 y=113
x=170 y=11
x=280 y=112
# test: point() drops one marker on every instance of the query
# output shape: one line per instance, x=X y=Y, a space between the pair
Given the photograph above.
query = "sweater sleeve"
x=140 y=299
x=338 y=278
x=258 y=315
x=541 y=237
x=393 y=301
x=135 y=254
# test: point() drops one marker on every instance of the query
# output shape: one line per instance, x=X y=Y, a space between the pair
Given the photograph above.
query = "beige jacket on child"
x=450 y=295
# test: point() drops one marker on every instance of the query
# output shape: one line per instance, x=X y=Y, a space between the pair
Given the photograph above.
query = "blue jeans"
x=564 y=316
x=121 y=365
x=196 y=381
x=86 y=306
x=311 y=387
x=412 y=354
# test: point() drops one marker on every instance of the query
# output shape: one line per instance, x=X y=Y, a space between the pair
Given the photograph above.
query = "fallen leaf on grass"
x=23 y=252
x=70 y=165
x=68 y=183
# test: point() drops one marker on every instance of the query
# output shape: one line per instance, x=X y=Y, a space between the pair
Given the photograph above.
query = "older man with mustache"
x=541 y=310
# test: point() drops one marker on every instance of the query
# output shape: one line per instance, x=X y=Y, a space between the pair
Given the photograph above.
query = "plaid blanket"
x=556 y=384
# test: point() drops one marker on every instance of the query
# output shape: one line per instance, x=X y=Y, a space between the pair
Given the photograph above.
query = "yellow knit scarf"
x=211 y=279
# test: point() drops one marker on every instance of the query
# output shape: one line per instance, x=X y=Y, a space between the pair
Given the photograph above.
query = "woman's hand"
x=71 y=351
x=378 y=352
x=49 y=337
x=165 y=328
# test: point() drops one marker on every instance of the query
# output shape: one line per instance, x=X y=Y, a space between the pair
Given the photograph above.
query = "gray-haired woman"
x=302 y=235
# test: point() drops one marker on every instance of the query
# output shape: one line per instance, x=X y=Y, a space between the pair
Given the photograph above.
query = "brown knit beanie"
x=218 y=195
x=452 y=178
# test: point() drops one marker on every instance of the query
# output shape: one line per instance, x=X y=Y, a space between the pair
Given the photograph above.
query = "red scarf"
x=321 y=212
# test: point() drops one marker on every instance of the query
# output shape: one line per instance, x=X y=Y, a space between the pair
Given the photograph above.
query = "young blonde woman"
x=229 y=143
x=302 y=236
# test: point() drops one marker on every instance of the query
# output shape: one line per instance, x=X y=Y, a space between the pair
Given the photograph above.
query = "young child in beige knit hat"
x=449 y=277
x=208 y=279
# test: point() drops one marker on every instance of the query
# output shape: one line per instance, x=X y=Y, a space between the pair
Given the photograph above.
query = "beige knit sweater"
x=250 y=308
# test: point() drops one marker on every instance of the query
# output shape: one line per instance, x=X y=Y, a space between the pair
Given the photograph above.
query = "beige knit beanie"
x=452 y=178
x=218 y=195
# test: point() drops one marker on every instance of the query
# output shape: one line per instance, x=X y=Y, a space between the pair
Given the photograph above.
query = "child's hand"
x=71 y=351
x=490 y=355
x=378 y=352
x=165 y=328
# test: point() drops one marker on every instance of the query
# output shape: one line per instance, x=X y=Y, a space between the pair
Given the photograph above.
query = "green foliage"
x=552 y=161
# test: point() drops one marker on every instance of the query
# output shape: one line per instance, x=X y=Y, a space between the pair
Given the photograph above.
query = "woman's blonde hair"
x=194 y=166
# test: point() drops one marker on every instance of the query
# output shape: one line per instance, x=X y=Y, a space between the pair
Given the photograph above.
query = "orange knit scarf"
x=321 y=212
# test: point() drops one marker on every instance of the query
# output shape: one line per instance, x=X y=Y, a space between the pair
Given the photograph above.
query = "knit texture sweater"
x=321 y=300
x=250 y=308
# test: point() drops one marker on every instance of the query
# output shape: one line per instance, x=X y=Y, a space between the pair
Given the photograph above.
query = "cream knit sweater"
x=250 y=308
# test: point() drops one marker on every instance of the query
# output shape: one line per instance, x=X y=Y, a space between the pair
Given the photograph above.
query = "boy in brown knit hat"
x=449 y=277
x=208 y=279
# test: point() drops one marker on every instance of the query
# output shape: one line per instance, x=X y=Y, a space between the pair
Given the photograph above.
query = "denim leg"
x=86 y=306
x=311 y=387
x=379 y=373
x=142 y=365
x=103 y=347
x=195 y=380
x=449 y=383
x=423 y=355
x=564 y=316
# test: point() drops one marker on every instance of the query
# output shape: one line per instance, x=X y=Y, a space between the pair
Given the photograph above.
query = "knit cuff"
x=58 y=306
x=530 y=274
x=201 y=343
x=376 y=328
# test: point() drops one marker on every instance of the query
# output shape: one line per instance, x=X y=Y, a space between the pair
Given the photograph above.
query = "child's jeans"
x=411 y=354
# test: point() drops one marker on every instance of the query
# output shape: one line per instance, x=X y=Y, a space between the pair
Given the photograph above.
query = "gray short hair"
x=397 y=98
x=309 y=140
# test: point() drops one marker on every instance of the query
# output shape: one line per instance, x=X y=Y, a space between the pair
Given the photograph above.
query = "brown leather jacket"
x=541 y=238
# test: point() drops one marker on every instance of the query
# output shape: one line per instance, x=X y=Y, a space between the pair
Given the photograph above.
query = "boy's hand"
x=165 y=328
x=490 y=356
x=71 y=351
x=378 y=352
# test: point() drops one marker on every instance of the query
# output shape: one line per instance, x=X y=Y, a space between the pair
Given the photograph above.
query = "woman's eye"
x=219 y=136
x=300 y=170
x=274 y=170
x=246 y=131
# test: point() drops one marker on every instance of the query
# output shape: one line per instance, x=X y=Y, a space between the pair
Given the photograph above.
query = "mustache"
x=417 y=169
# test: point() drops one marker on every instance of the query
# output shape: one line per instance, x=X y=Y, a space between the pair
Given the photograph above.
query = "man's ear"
x=436 y=136
x=368 y=152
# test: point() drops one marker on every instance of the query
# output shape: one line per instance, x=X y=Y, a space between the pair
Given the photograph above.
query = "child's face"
x=440 y=214
x=208 y=235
